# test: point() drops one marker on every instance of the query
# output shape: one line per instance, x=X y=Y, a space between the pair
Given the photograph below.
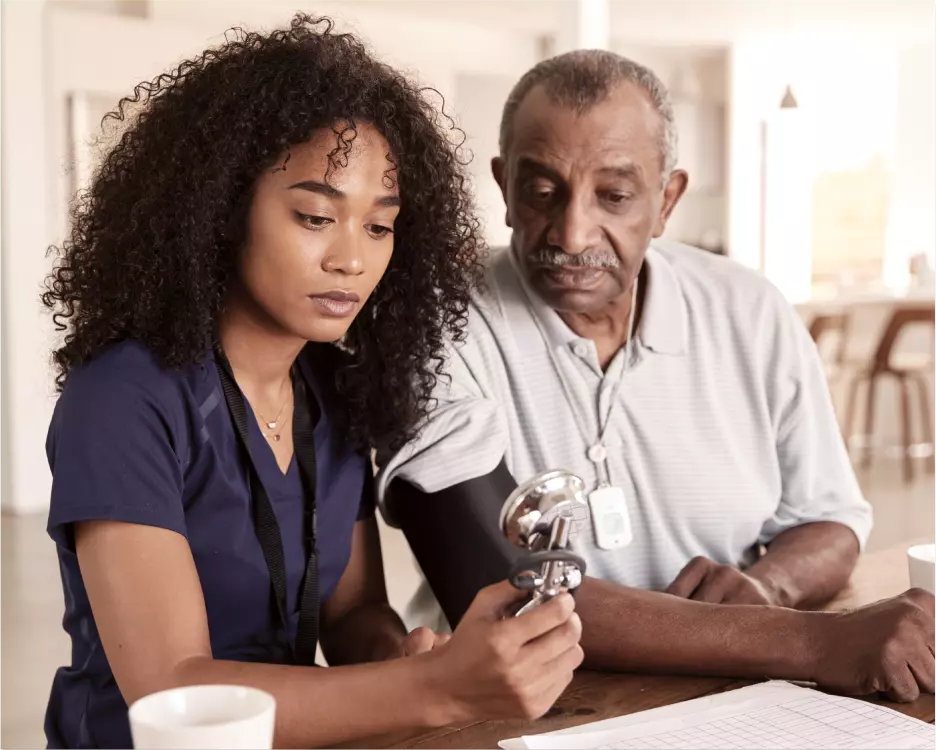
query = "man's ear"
x=499 y=170
x=675 y=187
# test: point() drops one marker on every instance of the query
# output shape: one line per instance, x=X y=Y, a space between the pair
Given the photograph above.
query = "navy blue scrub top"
x=133 y=442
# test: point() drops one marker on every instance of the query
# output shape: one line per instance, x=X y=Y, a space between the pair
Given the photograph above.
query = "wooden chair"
x=905 y=370
x=822 y=328
x=824 y=325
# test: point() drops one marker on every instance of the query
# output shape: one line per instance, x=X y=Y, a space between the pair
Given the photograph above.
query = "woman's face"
x=316 y=248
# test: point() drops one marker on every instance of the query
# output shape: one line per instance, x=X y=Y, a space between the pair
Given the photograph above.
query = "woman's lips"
x=337 y=304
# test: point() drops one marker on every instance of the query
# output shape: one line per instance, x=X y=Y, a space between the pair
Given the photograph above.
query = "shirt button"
x=580 y=349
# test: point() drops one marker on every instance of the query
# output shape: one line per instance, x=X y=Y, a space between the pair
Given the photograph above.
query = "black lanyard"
x=264 y=519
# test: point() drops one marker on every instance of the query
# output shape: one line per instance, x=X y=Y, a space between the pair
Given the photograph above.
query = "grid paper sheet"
x=772 y=715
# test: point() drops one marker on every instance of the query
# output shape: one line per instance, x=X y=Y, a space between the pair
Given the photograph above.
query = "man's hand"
x=886 y=647
x=705 y=580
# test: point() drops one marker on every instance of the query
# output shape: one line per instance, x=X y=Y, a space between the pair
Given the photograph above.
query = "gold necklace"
x=274 y=423
x=277 y=435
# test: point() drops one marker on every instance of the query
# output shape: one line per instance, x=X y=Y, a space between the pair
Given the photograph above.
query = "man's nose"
x=573 y=228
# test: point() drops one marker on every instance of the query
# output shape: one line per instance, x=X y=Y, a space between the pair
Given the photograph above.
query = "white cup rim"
x=922 y=552
x=265 y=704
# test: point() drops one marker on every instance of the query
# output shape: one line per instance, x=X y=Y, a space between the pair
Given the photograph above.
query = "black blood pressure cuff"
x=456 y=537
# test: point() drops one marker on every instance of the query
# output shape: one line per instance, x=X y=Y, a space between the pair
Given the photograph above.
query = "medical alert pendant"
x=610 y=519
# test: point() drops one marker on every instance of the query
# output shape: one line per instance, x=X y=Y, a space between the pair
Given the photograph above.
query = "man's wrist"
x=387 y=634
x=372 y=632
x=385 y=645
x=796 y=637
x=777 y=585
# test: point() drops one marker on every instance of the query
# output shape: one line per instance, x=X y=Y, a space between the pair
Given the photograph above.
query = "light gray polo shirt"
x=723 y=435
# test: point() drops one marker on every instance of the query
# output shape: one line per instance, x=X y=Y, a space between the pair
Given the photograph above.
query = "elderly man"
x=680 y=384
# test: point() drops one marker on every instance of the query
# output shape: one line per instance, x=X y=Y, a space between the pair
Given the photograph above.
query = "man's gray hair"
x=583 y=78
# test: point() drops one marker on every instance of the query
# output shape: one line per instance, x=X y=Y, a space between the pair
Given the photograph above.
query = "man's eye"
x=618 y=199
x=540 y=193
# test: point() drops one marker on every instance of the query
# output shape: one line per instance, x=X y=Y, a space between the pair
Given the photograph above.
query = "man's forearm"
x=645 y=631
x=809 y=564
x=455 y=536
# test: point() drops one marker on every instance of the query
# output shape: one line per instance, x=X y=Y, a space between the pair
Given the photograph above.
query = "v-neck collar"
x=269 y=470
x=265 y=459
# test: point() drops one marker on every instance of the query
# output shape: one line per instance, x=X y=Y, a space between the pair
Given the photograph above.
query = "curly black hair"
x=154 y=240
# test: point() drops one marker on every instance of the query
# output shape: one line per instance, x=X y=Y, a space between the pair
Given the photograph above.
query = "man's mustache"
x=548 y=256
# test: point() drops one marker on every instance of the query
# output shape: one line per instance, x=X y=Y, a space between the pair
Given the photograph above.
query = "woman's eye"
x=378 y=230
x=313 y=222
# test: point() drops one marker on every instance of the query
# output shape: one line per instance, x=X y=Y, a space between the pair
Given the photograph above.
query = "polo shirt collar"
x=663 y=324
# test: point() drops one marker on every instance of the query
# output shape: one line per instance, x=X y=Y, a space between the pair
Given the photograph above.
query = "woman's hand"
x=418 y=641
x=422 y=640
x=513 y=667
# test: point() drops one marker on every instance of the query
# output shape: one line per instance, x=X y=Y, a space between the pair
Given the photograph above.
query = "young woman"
x=255 y=292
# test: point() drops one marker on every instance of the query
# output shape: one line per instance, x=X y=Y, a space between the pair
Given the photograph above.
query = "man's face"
x=584 y=195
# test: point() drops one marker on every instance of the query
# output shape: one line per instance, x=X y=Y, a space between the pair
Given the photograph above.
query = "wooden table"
x=594 y=696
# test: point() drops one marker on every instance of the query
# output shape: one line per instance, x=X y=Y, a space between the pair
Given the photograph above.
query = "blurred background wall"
x=831 y=199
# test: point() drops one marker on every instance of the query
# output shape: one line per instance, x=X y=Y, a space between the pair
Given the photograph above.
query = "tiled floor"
x=33 y=644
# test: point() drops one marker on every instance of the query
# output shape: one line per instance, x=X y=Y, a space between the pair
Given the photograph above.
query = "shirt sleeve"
x=111 y=452
x=818 y=481
x=464 y=437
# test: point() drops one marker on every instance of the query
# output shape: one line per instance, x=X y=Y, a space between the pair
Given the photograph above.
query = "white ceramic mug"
x=204 y=716
x=922 y=567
